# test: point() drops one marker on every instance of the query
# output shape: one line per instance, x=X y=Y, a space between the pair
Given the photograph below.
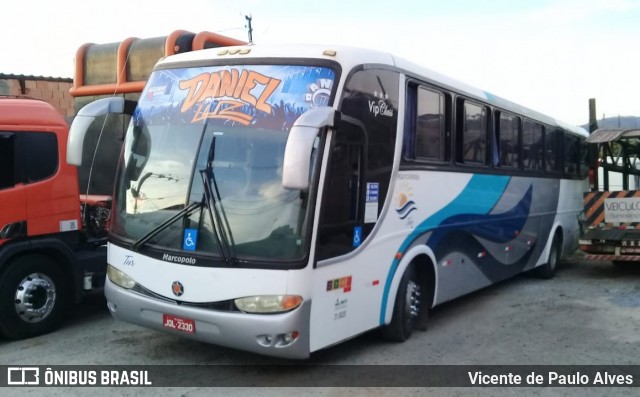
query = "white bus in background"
x=280 y=200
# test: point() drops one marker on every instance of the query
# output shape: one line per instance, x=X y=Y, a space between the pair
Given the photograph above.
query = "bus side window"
x=509 y=136
x=430 y=125
x=571 y=155
x=533 y=146
x=583 y=158
x=472 y=133
x=553 y=148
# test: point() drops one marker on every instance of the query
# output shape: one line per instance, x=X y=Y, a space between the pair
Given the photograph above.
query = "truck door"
x=51 y=187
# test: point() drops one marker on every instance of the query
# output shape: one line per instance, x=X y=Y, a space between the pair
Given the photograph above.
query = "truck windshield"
x=201 y=166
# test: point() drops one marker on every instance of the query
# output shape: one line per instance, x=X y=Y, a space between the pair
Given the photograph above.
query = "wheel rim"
x=35 y=297
x=553 y=257
x=412 y=301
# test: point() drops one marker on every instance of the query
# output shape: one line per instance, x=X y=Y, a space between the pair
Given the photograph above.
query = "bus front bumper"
x=259 y=333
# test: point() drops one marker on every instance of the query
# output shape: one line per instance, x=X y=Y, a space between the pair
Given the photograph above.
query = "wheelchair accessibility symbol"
x=357 y=236
x=190 y=238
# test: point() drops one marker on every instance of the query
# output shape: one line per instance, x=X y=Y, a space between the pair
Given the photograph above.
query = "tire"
x=406 y=308
x=33 y=297
x=548 y=270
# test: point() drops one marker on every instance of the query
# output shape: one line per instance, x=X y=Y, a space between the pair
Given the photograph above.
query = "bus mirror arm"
x=86 y=116
x=297 y=153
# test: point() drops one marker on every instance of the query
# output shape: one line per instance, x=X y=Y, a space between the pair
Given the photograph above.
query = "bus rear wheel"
x=548 y=270
x=33 y=297
x=406 y=309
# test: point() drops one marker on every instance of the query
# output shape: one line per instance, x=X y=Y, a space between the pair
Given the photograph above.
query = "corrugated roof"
x=4 y=76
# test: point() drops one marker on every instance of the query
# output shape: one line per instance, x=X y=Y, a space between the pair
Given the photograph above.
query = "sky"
x=548 y=55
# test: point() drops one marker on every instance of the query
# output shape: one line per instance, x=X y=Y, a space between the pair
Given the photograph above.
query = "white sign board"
x=371 y=202
x=622 y=210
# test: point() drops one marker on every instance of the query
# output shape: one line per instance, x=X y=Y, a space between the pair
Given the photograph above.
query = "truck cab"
x=47 y=257
x=612 y=208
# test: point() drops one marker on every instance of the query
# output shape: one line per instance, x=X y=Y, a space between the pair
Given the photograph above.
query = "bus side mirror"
x=85 y=117
x=297 y=153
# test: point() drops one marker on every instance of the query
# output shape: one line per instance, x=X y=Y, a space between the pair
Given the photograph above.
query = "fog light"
x=265 y=340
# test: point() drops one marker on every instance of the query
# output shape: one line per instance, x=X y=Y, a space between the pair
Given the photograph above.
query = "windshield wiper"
x=221 y=227
x=211 y=199
x=186 y=211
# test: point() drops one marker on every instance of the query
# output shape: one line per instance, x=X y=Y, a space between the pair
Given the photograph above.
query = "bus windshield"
x=201 y=167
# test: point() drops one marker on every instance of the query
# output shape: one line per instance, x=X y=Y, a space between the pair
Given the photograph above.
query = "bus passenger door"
x=341 y=231
x=342 y=201
x=351 y=262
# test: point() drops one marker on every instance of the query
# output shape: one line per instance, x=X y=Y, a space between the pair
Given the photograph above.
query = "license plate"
x=179 y=323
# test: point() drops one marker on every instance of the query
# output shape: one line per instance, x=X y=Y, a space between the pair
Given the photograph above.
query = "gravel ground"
x=588 y=314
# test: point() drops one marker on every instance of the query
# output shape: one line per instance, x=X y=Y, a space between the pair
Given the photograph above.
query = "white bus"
x=281 y=200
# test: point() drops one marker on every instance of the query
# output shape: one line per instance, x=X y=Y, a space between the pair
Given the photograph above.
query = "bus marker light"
x=287 y=339
x=290 y=302
x=482 y=254
x=268 y=303
x=399 y=255
x=376 y=282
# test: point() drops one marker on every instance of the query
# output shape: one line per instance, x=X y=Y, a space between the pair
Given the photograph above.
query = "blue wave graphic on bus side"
x=469 y=201
x=406 y=209
x=498 y=228
x=460 y=234
x=462 y=242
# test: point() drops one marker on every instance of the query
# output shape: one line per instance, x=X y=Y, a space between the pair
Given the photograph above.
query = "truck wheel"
x=33 y=297
x=406 y=308
x=548 y=270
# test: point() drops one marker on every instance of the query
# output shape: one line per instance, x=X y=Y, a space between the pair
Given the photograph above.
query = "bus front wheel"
x=406 y=308
x=33 y=296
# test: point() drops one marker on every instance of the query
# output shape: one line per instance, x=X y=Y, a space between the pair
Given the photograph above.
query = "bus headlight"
x=268 y=303
x=119 y=278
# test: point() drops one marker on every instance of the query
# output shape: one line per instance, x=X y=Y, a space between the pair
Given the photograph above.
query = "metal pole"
x=593 y=149
x=249 y=28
